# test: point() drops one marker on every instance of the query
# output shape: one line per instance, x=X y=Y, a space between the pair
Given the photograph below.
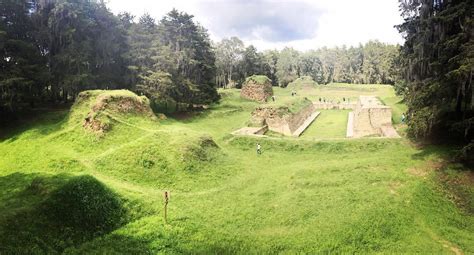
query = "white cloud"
x=268 y=20
x=339 y=22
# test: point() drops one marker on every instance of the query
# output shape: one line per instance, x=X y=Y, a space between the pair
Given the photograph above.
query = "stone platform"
x=350 y=125
x=389 y=131
x=370 y=118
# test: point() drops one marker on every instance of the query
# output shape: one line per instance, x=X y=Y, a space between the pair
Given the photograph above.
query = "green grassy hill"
x=302 y=83
x=312 y=194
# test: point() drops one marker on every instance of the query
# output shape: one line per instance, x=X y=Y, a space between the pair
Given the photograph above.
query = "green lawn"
x=299 y=196
x=329 y=124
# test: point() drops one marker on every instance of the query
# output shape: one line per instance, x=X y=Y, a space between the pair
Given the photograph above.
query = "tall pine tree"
x=438 y=57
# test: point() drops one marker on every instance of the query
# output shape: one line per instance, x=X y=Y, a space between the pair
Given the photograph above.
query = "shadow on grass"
x=429 y=151
x=20 y=190
x=23 y=226
x=113 y=244
x=43 y=122
x=26 y=223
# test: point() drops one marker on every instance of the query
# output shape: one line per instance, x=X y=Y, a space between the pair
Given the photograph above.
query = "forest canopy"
x=53 y=49
x=371 y=63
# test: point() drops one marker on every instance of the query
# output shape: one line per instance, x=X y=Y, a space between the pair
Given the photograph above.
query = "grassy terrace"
x=329 y=124
x=301 y=195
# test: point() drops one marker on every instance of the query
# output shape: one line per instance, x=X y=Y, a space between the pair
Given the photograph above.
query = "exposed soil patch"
x=446 y=244
x=111 y=102
x=457 y=187
x=453 y=180
x=451 y=247
x=424 y=170
x=394 y=187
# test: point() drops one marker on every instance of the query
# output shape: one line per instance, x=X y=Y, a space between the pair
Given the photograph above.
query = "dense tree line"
x=373 y=62
x=172 y=60
x=438 y=61
x=53 y=49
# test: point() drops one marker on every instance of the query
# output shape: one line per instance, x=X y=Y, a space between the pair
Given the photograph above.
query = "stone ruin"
x=257 y=87
x=335 y=106
x=103 y=106
x=284 y=120
x=370 y=118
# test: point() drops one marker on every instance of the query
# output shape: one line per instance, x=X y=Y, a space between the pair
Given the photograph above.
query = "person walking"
x=259 y=149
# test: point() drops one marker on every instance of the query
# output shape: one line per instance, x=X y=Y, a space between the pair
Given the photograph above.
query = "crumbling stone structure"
x=257 y=88
x=370 y=118
x=102 y=104
x=282 y=120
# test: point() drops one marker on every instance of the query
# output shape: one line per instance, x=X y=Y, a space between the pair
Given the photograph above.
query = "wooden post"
x=167 y=197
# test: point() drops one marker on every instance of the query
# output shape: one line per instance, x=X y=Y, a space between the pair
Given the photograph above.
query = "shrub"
x=86 y=205
x=467 y=155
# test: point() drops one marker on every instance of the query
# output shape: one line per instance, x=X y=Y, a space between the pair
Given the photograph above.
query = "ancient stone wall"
x=299 y=118
x=281 y=120
x=257 y=92
x=274 y=118
x=279 y=124
x=370 y=116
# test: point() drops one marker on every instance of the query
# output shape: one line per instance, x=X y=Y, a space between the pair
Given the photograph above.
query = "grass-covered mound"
x=97 y=108
x=302 y=83
x=45 y=214
x=258 y=79
x=298 y=104
x=85 y=205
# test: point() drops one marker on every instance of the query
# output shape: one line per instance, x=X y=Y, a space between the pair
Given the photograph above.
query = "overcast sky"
x=268 y=24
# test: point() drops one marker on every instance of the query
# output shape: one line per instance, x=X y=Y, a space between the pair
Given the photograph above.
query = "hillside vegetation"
x=304 y=82
x=258 y=79
x=313 y=194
